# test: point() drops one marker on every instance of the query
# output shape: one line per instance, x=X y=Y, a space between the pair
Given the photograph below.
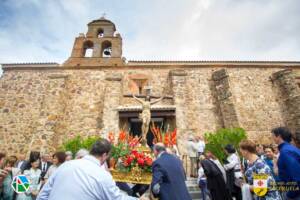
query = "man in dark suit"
x=21 y=160
x=44 y=165
x=168 y=180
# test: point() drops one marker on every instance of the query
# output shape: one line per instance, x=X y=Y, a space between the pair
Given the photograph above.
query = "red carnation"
x=135 y=153
x=141 y=162
x=142 y=155
x=129 y=160
x=148 y=161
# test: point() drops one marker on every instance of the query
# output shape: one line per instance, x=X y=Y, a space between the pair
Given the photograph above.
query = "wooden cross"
x=148 y=94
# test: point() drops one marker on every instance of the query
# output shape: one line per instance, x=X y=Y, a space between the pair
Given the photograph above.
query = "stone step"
x=191 y=183
x=195 y=194
x=193 y=188
x=191 y=179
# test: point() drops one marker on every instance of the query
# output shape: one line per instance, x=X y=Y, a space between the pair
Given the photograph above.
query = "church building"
x=43 y=104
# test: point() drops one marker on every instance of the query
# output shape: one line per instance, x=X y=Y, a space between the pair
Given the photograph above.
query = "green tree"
x=215 y=142
x=78 y=142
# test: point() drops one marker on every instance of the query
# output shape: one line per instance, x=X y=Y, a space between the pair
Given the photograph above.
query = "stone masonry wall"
x=178 y=82
x=256 y=101
x=39 y=109
x=290 y=101
x=30 y=104
x=225 y=100
x=112 y=96
x=84 y=110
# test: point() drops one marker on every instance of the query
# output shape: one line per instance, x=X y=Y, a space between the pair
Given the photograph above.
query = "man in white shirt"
x=84 y=179
x=192 y=150
x=201 y=145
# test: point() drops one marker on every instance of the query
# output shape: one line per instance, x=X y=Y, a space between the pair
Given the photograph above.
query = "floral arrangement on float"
x=168 y=138
x=130 y=161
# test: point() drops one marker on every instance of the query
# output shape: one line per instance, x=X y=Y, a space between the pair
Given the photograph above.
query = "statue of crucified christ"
x=145 y=116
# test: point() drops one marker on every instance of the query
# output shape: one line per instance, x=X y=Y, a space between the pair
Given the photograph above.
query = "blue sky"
x=44 y=30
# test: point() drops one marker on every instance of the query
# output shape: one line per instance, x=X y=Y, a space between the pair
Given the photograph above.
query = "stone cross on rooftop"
x=103 y=15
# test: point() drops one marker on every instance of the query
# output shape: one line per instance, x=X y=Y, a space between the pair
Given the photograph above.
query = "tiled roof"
x=253 y=61
x=38 y=64
x=30 y=63
x=210 y=62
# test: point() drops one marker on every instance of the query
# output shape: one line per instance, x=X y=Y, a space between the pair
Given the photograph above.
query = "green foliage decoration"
x=119 y=150
x=215 y=142
x=78 y=142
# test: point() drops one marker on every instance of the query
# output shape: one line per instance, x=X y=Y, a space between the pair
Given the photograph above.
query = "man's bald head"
x=158 y=148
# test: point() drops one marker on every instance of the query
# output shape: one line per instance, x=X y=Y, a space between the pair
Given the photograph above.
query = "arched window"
x=88 y=48
x=100 y=33
x=106 y=49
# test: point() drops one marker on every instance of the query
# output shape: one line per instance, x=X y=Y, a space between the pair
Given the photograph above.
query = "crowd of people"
x=87 y=176
x=38 y=168
x=279 y=162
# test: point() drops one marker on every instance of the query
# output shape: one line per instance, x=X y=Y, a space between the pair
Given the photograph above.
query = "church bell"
x=107 y=52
